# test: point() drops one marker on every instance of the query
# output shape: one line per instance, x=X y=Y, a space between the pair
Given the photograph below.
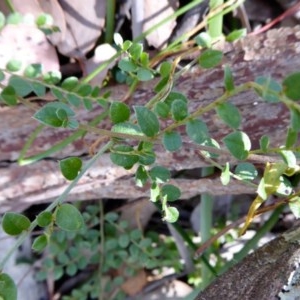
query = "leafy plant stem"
x=206 y=213
x=252 y=243
x=57 y=201
x=102 y=242
x=110 y=21
x=74 y=136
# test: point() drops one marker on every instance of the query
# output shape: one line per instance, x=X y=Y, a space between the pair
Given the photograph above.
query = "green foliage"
x=8 y=289
x=15 y=223
x=70 y=252
x=68 y=217
x=70 y=167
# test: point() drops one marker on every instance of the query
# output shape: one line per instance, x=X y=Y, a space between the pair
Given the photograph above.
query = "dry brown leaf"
x=135 y=284
x=85 y=21
x=154 y=12
x=28 y=44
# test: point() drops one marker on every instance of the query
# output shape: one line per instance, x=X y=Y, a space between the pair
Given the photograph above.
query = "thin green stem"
x=215 y=23
x=206 y=214
x=10 y=6
x=57 y=201
x=110 y=21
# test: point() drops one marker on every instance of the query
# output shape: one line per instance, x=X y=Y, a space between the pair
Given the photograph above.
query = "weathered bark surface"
x=264 y=274
x=275 y=53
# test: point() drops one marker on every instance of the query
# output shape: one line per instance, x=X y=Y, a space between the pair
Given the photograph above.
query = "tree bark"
x=275 y=53
x=269 y=273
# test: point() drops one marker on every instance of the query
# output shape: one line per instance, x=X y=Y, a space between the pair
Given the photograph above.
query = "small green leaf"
x=119 y=112
x=289 y=158
x=229 y=114
x=70 y=83
x=197 y=131
x=8 y=289
x=38 y=88
x=291 y=138
x=87 y=103
x=236 y=34
x=270 y=89
x=264 y=143
x=124 y=240
x=68 y=217
x=73 y=99
x=33 y=70
x=144 y=58
x=228 y=79
x=71 y=269
x=70 y=167
x=40 y=243
x=8 y=95
x=171 y=192
x=14 y=65
x=111 y=217
x=165 y=69
x=52 y=77
x=295 y=119
x=15 y=223
x=127 y=65
x=141 y=176
x=171 y=214
x=172 y=141
x=154 y=192
x=246 y=171
x=144 y=74
x=43 y=20
x=179 y=109
x=162 y=109
x=147 y=120
x=21 y=86
x=57 y=93
x=291 y=86
x=294 y=205
x=84 y=90
x=118 y=40
x=172 y=96
x=225 y=175
x=124 y=156
x=159 y=174
x=210 y=58
x=238 y=144
x=136 y=50
x=204 y=40
x=47 y=115
x=126 y=45
x=44 y=218
x=127 y=128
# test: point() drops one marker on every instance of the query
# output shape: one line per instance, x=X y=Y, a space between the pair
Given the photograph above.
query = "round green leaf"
x=147 y=120
x=291 y=86
x=171 y=214
x=144 y=74
x=123 y=240
x=179 y=109
x=33 y=70
x=127 y=65
x=229 y=114
x=246 y=171
x=52 y=77
x=204 y=40
x=70 y=167
x=44 y=218
x=228 y=79
x=121 y=155
x=159 y=174
x=197 y=131
x=84 y=90
x=210 y=58
x=70 y=83
x=162 y=109
x=8 y=289
x=238 y=144
x=15 y=223
x=165 y=69
x=172 y=141
x=136 y=50
x=171 y=192
x=111 y=217
x=21 y=86
x=14 y=65
x=270 y=88
x=141 y=176
x=8 y=95
x=40 y=243
x=119 y=112
x=68 y=217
